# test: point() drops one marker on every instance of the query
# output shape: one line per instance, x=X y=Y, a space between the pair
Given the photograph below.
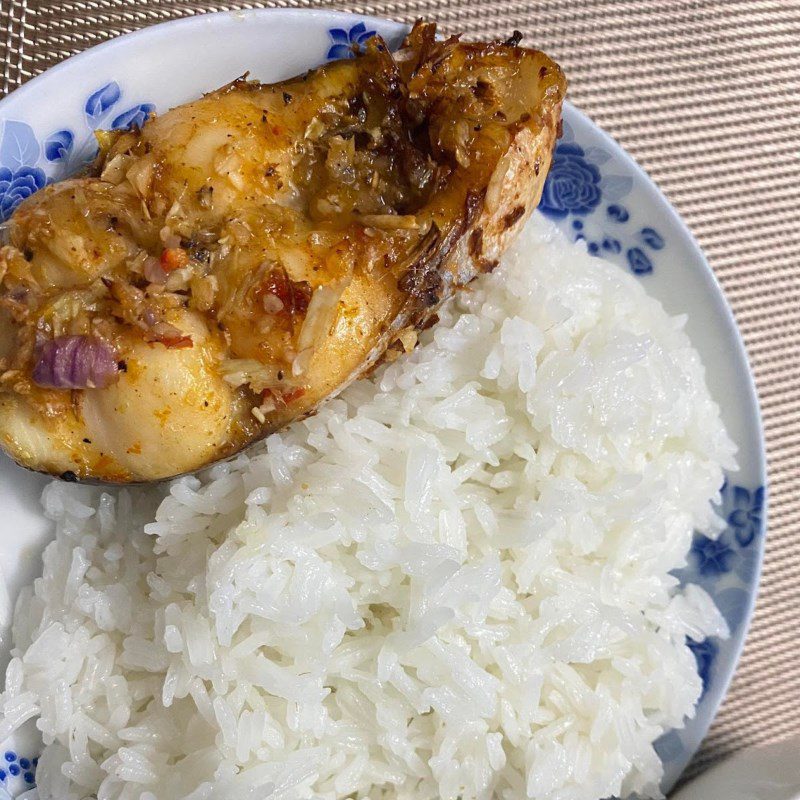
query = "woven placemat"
x=705 y=94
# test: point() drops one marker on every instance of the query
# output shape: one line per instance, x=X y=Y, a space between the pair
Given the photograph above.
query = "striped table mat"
x=705 y=94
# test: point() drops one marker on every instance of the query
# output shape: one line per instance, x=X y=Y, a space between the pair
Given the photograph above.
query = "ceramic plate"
x=594 y=191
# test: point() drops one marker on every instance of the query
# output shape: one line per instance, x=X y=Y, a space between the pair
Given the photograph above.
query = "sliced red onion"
x=75 y=362
x=153 y=272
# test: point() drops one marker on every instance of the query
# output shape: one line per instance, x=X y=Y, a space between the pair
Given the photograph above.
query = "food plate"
x=595 y=192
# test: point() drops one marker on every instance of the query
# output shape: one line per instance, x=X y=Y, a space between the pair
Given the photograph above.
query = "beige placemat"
x=705 y=94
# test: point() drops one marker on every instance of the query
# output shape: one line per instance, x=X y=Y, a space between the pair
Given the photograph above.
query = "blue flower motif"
x=16 y=185
x=19 y=146
x=638 y=261
x=704 y=653
x=618 y=213
x=134 y=117
x=745 y=517
x=346 y=41
x=19 y=768
x=28 y=163
x=577 y=185
x=572 y=185
x=652 y=238
x=713 y=556
x=99 y=102
x=58 y=145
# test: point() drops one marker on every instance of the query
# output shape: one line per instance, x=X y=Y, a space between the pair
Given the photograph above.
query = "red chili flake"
x=169 y=336
x=282 y=397
x=292 y=394
x=173 y=258
x=294 y=295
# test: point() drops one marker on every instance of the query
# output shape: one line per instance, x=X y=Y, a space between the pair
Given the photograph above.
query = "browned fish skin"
x=247 y=255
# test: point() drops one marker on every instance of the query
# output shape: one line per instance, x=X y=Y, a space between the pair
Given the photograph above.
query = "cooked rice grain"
x=454 y=581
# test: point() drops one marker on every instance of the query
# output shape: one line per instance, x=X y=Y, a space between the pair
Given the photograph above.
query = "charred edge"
x=513 y=217
x=472 y=206
x=69 y=476
x=242 y=82
x=427 y=54
x=432 y=293
x=475 y=243
x=423 y=279
x=386 y=80
x=483 y=90
x=428 y=322
x=514 y=39
x=421 y=274
x=423 y=40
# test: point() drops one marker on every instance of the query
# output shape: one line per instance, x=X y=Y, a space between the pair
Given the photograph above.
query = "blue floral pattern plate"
x=595 y=192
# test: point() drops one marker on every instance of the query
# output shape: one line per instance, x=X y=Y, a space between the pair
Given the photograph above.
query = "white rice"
x=454 y=581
